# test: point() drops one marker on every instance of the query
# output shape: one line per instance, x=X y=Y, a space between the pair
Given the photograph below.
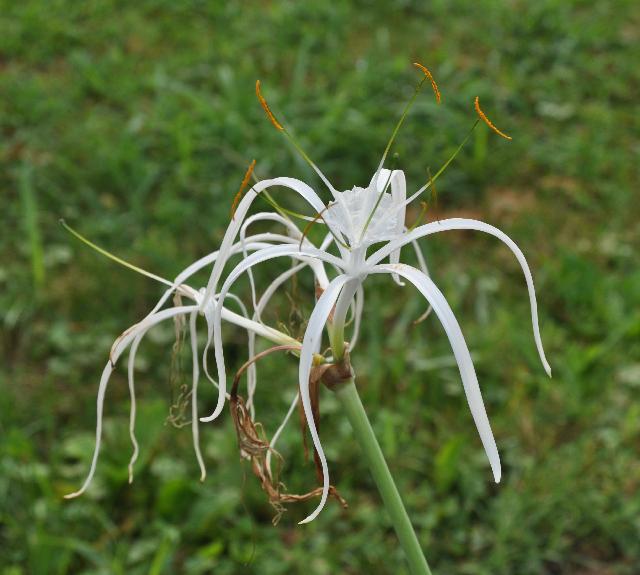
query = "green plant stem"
x=350 y=400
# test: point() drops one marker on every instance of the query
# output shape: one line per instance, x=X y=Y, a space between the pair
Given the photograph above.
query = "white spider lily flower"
x=360 y=229
x=133 y=336
x=116 y=351
x=357 y=219
x=297 y=251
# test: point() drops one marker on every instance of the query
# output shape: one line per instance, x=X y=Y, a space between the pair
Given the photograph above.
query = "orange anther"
x=266 y=108
x=243 y=185
x=428 y=74
x=486 y=120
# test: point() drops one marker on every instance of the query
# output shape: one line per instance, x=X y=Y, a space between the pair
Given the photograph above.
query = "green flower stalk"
x=349 y=399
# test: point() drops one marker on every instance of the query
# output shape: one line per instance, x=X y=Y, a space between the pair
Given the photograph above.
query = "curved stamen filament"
x=317 y=217
x=409 y=104
x=424 y=206
x=296 y=145
x=405 y=112
x=112 y=256
x=488 y=122
x=434 y=191
x=432 y=179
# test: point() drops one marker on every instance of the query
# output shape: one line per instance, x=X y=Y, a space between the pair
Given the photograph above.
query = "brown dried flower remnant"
x=254 y=447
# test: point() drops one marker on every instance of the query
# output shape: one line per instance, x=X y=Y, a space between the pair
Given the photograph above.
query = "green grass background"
x=135 y=121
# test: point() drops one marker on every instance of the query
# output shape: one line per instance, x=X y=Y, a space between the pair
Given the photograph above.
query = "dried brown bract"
x=254 y=447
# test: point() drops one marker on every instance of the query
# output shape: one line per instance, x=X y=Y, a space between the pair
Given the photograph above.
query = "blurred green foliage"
x=136 y=121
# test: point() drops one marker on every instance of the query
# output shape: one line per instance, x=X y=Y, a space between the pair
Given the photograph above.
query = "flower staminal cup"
x=356 y=219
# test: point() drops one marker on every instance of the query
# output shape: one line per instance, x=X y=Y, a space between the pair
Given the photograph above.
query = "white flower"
x=133 y=336
x=356 y=219
x=350 y=219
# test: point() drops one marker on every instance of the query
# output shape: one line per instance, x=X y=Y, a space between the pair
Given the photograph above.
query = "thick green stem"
x=348 y=396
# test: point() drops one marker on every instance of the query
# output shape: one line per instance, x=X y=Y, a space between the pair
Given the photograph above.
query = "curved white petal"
x=399 y=195
x=467 y=224
x=411 y=198
x=132 y=395
x=422 y=264
x=259 y=217
x=226 y=313
x=243 y=231
x=132 y=415
x=256 y=242
x=232 y=231
x=252 y=370
x=178 y=283
x=317 y=266
x=195 y=431
x=310 y=345
x=467 y=372
x=262 y=303
x=122 y=344
x=215 y=331
x=274 y=217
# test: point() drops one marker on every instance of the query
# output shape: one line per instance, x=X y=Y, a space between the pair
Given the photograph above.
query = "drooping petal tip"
x=543 y=358
x=316 y=512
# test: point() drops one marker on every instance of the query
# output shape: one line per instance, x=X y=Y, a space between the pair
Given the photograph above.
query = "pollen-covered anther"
x=266 y=108
x=488 y=122
x=428 y=74
x=243 y=185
